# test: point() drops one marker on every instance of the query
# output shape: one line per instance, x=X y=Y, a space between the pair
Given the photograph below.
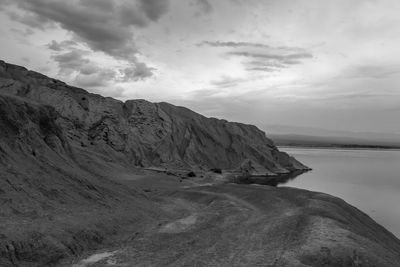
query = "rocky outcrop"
x=55 y=199
x=141 y=133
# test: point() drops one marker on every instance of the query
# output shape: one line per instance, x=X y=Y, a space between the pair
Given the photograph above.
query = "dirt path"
x=197 y=215
x=227 y=225
x=97 y=257
x=235 y=200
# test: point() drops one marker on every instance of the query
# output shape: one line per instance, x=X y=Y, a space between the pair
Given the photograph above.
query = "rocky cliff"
x=55 y=200
x=141 y=133
x=71 y=181
x=64 y=153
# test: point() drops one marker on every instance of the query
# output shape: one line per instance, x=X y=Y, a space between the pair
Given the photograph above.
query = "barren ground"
x=247 y=225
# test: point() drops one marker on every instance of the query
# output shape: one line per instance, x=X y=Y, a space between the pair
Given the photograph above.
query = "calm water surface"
x=367 y=179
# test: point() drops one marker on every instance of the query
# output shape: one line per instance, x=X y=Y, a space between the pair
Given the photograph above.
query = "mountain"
x=146 y=183
x=311 y=136
x=63 y=152
x=141 y=133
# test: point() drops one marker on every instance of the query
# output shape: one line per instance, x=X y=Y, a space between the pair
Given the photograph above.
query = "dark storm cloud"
x=88 y=74
x=71 y=61
x=139 y=71
x=205 y=6
x=251 y=45
x=98 y=27
x=32 y=20
x=99 y=4
x=270 y=62
x=226 y=81
x=23 y=33
x=98 y=78
x=89 y=69
x=263 y=64
x=154 y=9
x=3 y=4
x=60 y=46
x=291 y=62
x=106 y=26
x=266 y=65
x=131 y=15
x=234 y=44
x=265 y=69
x=271 y=56
x=262 y=57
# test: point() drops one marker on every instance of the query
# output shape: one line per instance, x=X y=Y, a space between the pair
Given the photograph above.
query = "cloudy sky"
x=331 y=64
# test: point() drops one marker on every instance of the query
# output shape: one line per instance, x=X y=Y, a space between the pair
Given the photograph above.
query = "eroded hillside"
x=142 y=133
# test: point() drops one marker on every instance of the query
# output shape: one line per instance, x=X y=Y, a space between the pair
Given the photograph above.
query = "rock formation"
x=63 y=150
x=146 y=134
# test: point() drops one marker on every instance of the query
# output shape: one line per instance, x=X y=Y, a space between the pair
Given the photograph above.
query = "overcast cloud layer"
x=331 y=64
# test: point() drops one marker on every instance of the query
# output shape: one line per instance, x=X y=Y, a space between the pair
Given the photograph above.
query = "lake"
x=367 y=179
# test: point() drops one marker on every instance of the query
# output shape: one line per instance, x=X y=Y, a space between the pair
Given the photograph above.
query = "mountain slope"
x=56 y=200
x=146 y=134
x=63 y=152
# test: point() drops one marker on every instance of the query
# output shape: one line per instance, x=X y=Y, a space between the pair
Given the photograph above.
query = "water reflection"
x=367 y=179
x=271 y=180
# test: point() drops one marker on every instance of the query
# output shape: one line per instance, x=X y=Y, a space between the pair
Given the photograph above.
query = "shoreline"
x=341 y=147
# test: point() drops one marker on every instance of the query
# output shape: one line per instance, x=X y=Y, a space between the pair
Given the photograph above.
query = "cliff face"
x=146 y=134
x=56 y=199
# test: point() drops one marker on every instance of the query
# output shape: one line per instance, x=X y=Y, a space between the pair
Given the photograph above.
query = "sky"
x=331 y=64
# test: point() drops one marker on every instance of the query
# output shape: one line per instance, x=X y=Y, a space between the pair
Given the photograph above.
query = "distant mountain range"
x=318 y=137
